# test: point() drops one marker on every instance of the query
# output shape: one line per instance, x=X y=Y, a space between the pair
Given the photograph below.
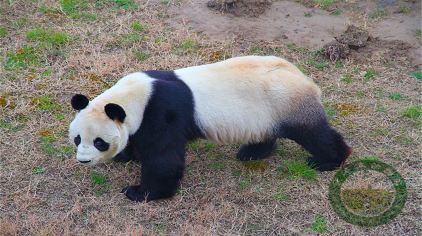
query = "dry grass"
x=43 y=191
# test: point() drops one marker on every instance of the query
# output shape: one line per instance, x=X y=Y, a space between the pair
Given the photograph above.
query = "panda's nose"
x=84 y=161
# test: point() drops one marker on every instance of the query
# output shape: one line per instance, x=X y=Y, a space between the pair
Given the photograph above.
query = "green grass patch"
x=339 y=64
x=370 y=73
x=21 y=59
x=209 y=147
x=294 y=48
x=217 y=165
x=395 y=96
x=347 y=78
x=404 y=10
x=417 y=75
x=38 y=170
x=303 y=69
x=165 y=2
x=4 y=124
x=202 y=146
x=127 y=4
x=98 y=178
x=48 y=36
x=319 y=225
x=161 y=230
x=48 y=104
x=280 y=196
x=48 y=10
x=412 y=112
x=330 y=110
x=99 y=183
x=380 y=108
x=307 y=14
x=316 y=60
x=140 y=55
x=377 y=132
x=404 y=138
x=3 y=32
x=255 y=50
x=367 y=159
x=324 y=4
x=137 y=26
x=20 y=22
x=187 y=46
x=48 y=147
x=360 y=94
x=299 y=170
x=130 y=39
x=418 y=35
x=244 y=184
x=367 y=201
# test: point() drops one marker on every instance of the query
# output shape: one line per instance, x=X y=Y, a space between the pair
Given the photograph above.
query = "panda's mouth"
x=84 y=161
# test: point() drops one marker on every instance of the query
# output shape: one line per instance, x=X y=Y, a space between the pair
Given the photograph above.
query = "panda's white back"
x=243 y=99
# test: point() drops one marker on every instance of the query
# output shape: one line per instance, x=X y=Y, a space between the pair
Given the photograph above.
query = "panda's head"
x=97 y=130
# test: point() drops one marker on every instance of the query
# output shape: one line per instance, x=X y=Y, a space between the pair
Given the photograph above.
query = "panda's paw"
x=323 y=166
x=135 y=193
x=249 y=152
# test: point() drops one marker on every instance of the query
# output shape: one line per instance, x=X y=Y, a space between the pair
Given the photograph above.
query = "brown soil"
x=283 y=21
x=251 y=8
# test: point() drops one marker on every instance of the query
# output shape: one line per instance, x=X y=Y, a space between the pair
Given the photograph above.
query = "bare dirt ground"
x=50 y=50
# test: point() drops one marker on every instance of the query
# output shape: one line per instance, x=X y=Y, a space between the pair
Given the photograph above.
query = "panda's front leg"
x=160 y=176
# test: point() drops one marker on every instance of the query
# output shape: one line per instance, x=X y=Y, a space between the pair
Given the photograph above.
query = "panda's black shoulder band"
x=115 y=112
x=79 y=102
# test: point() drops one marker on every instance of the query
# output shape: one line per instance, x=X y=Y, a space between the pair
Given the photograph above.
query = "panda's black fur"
x=159 y=144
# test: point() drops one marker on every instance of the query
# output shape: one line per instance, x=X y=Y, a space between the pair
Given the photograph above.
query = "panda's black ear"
x=79 y=102
x=115 y=112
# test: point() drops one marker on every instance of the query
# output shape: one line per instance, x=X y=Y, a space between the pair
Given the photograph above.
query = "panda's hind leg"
x=256 y=151
x=308 y=126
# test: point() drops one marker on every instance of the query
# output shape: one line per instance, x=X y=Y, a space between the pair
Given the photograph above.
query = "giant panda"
x=150 y=116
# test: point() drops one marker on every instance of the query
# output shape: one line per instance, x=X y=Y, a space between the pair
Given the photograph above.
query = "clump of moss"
x=346 y=109
x=367 y=201
x=255 y=165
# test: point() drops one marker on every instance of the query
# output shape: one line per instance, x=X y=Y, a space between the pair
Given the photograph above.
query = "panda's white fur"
x=241 y=100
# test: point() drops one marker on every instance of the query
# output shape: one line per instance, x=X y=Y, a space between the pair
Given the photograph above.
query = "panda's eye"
x=77 y=140
x=101 y=145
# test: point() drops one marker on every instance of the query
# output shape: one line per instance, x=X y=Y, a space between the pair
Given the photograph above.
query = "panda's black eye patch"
x=77 y=140
x=101 y=145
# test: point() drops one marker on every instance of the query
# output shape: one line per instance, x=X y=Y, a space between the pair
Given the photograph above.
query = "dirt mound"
x=252 y=8
x=356 y=43
x=353 y=38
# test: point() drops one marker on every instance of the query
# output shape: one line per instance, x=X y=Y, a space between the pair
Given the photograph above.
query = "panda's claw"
x=124 y=189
